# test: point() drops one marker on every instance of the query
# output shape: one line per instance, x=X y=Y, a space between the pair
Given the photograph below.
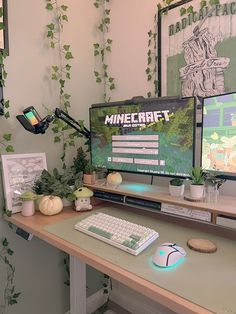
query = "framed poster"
x=20 y=171
x=196 y=48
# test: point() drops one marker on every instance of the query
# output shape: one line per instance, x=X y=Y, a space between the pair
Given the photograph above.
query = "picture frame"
x=20 y=171
x=196 y=48
x=165 y=18
x=4 y=40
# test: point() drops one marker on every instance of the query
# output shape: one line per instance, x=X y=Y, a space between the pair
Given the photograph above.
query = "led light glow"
x=164 y=269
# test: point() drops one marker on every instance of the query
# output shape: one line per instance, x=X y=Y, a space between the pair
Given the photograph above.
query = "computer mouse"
x=168 y=254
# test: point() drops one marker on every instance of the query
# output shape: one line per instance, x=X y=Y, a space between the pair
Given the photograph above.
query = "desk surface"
x=203 y=283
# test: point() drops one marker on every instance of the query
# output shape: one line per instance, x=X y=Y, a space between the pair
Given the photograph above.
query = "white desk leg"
x=77 y=286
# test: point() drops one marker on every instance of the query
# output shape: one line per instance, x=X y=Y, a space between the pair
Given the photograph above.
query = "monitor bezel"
x=219 y=174
x=137 y=100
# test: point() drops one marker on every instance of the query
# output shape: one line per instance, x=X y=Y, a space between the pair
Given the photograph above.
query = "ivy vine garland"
x=101 y=49
x=6 y=138
x=10 y=296
x=61 y=73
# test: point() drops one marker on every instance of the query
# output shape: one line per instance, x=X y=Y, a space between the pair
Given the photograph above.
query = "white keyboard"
x=123 y=234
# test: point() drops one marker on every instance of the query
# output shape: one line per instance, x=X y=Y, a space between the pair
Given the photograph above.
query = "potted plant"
x=212 y=184
x=176 y=187
x=80 y=161
x=56 y=184
x=89 y=174
x=197 y=183
x=28 y=199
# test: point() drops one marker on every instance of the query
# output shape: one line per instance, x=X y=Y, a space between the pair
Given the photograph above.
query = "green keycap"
x=135 y=237
x=100 y=232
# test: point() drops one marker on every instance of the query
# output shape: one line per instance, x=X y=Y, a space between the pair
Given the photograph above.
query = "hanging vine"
x=61 y=73
x=151 y=70
x=10 y=296
x=5 y=139
x=102 y=49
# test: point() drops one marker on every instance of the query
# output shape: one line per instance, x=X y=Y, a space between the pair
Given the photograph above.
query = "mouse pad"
x=205 y=279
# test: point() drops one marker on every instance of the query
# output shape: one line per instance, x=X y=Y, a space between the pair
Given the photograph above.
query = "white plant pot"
x=27 y=208
x=197 y=191
x=66 y=202
x=176 y=191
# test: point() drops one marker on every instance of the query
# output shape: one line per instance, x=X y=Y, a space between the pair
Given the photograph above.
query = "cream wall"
x=39 y=269
x=40 y=272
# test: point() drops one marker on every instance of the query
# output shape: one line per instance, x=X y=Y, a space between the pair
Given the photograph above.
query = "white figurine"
x=82 y=201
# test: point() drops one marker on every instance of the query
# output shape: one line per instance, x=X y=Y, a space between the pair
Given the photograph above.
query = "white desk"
x=209 y=283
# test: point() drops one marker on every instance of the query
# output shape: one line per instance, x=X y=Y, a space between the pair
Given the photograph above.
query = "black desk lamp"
x=33 y=123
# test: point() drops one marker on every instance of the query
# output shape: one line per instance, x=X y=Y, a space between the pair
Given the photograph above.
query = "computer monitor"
x=219 y=135
x=150 y=136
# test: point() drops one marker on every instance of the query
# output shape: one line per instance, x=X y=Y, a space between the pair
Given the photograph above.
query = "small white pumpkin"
x=114 y=179
x=50 y=205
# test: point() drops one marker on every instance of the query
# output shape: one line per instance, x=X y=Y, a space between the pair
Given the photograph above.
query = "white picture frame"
x=19 y=172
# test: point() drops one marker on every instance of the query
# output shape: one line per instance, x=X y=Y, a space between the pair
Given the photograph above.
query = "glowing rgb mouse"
x=168 y=254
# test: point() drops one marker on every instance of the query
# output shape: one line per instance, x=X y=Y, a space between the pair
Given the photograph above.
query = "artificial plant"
x=61 y=74
x=102 y=49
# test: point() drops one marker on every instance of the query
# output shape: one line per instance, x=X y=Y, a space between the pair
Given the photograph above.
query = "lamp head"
x=32 y=121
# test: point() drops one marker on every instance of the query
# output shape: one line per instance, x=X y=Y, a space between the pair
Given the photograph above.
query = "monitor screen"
x=219 y=135
x=152 y=136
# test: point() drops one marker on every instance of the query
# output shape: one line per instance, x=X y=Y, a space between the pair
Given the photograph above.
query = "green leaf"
x=68 y=55
x=112 y=86
x=51 y=26
x=6 y=104
x=7 y=115
x=2 y=26
x=57 y=139
x=68 y=67
x=50 y=34
x=10 y=252
x=49 y=6
x=214 y=2
x=5 y=242
x=54 y=77
x=67 y=104
x=96 y=53
x=203 y=3
x=62 y=83
x=64 y=7
x=64 y=18
x=68 y=75
x=9 y=149
x=1 y=11
x=98 y=80
x=148 y=70
x=72 y=143
x=7 y=136
x=96 y=46
x=55 y=68
x=182 y=11
x=190 y=9
x=96 y=73
x=66 y=47
x=55 y=130
x=67 y=96
x=109 y=41
x=12 y=301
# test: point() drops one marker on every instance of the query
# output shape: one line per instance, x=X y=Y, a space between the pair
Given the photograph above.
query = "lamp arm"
x=72 y=122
